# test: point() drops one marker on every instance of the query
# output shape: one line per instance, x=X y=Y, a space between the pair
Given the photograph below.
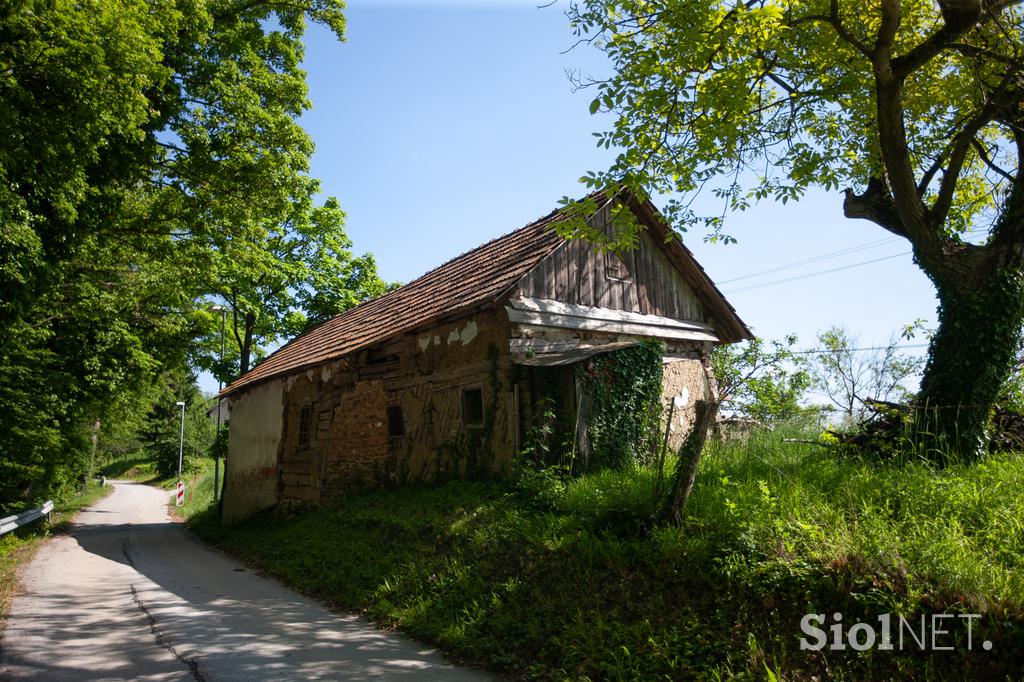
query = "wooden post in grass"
x=664 y=448
x=689 y=457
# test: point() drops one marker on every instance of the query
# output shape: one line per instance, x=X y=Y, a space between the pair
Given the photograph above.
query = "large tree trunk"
x=981 y=312
x=245 y=348
x=919 y=197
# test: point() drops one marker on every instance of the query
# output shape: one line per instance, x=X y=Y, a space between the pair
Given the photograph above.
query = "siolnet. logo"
x=932 y=632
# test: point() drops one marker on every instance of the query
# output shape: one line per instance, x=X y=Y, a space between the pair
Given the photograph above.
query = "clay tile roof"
x=476 y=278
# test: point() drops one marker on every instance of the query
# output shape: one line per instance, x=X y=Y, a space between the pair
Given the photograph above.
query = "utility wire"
x=815 y=274
x=829 y=256
x=815 y=259
x=816 y=351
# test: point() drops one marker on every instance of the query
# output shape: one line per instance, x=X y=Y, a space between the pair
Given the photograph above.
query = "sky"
x=440 y=125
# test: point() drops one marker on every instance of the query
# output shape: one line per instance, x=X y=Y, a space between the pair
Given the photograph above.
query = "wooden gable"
x=640 y=281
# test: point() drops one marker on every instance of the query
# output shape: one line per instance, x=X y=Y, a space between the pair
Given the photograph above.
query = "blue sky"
x=440 y=125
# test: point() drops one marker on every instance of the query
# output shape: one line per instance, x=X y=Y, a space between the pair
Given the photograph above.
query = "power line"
x=815 y=259
x=829 y=256
x=815 y=274
x=817 y=351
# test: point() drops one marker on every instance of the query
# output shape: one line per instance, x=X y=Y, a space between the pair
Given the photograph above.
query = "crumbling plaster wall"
x=425 y=374
x=250 y=468
x=685 y=382
x=349 y=446
x=437 y=366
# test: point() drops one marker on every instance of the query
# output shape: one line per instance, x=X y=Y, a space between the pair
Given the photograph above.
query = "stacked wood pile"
x=1007 y=431
x=889 y=423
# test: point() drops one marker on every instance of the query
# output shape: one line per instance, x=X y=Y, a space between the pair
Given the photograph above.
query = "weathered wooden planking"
x=544 y=353
x=643 y=287
x=642 y=281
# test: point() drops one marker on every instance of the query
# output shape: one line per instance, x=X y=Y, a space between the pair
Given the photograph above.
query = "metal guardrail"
x=9 y=523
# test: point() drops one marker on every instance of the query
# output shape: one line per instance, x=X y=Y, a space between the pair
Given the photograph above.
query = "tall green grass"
x=574 y=579
x=198 y=487
x=954 y=533
x=140 y=468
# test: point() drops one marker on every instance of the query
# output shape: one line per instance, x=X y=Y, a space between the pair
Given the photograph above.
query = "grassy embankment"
x=17 y=547
x=198 y=489
x=140 y=469
x=572 y=582
x=198 y=481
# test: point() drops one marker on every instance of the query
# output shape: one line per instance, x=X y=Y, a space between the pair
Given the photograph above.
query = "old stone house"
x=441 y=376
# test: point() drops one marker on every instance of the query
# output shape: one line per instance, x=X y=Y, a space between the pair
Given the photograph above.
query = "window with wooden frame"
x=305 y=424
x=396 y=421
x=619 y=267
x=472 y=407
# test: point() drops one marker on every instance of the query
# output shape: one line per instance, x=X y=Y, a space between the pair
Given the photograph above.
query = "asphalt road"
x=130 y=595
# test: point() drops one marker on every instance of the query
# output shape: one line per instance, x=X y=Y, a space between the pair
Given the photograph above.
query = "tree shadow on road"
x=155 y=602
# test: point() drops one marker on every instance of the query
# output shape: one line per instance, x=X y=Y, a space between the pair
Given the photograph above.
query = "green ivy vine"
x=622 y=404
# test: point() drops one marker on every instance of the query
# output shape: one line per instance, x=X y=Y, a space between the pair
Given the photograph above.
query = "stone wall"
x=349 y=446
x=345 y=444
x=685 y=382
x=357 y=452
x=319 y=391
x=437 y=368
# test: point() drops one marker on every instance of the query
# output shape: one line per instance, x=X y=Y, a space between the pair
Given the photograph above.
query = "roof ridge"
x=534 y=223
x=471 y=280
x=325 y=331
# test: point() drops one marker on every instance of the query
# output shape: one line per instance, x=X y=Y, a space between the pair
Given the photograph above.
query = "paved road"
x=129 y=595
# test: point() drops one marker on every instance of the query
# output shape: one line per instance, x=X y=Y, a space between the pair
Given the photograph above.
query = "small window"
x=473 y=407
x=305 y=421
x=396 y=423
x=618 y=267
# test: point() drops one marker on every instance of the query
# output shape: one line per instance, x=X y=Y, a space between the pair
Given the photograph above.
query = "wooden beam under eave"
x=632 y=328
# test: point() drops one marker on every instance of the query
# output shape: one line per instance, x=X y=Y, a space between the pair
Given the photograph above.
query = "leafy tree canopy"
x=762 y=99
x=281 y=279
x=912 y=107
x=851 y=377
x=760 y=379
x=139 y=141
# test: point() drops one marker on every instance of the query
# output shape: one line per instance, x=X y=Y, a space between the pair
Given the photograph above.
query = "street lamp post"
x=181 y=439
x=220 y=386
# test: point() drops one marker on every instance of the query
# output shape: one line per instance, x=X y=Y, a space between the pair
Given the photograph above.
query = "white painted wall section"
x=251 y=464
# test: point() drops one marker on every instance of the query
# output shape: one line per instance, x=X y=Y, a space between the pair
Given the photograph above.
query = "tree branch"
x=875 y=204
x=958 y=17
x=986 y=158
x=961 y=145
x=1010 y=228
x=977 y=51
x=843 y=32
x=895 y=151
x=835 y=21
x=891 y=17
